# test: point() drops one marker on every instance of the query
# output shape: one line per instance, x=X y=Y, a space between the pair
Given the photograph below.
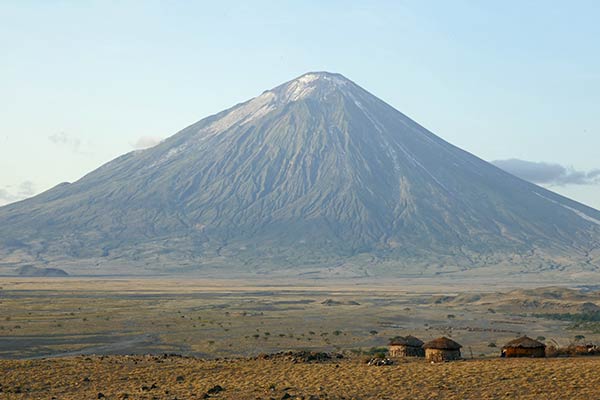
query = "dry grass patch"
x=148 y=377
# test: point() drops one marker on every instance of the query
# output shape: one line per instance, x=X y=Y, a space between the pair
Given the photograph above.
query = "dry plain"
x=53 y=333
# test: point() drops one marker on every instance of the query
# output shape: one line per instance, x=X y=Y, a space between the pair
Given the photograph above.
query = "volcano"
x=316 y=176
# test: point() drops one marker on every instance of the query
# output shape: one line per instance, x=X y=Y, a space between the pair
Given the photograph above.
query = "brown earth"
x=172 y=377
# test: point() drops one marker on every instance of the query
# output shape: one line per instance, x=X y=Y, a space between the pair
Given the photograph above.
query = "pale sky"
x=84 y=82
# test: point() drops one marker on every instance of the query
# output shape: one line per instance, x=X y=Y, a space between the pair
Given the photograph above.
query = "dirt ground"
x=158 y=377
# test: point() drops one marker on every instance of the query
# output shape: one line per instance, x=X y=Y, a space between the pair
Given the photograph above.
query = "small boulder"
x=215 y=389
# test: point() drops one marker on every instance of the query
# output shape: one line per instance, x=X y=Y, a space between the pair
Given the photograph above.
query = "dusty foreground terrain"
x=157 y=377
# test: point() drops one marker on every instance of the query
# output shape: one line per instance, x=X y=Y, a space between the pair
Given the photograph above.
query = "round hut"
x=406 y=346
x=524 y=347
x=442 y=349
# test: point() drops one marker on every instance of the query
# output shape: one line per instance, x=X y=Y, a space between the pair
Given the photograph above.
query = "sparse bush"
x=337 y=333
x=373 y=332
x=492 y=344
x=378 y=352
x=540 y=338
x=451 y=316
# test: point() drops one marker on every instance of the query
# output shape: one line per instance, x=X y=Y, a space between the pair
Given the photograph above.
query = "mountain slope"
x=316 y=173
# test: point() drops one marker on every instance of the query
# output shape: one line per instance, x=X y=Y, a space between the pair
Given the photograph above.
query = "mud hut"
x=442 y=349
x=406 y=346
x=524 y=347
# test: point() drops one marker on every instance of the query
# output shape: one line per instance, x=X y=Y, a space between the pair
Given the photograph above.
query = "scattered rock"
x=179 y=378
x=215 y=389
x=380 y=362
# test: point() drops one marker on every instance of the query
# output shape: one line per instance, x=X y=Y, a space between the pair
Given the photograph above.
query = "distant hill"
x=29 y=270
x=316 y=177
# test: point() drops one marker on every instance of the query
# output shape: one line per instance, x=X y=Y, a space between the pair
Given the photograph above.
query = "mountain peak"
x=317 y=83
x=324 y=76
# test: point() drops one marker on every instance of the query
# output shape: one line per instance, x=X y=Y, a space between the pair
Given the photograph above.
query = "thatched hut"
x=406 y=346
x=442 y=349
x=524 y=347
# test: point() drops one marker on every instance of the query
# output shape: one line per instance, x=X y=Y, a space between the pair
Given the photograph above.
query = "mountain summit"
x=316 y=176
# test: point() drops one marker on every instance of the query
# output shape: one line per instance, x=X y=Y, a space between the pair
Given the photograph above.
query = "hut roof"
x=442 y=343
x=406 y=341
x=525 y=343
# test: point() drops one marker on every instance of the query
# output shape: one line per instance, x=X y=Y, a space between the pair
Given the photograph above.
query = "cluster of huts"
x=445 y=349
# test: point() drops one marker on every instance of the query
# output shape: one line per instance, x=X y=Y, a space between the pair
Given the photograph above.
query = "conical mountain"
x=314 y=175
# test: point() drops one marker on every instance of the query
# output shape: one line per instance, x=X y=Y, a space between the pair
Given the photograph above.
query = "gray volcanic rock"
x=317 y=176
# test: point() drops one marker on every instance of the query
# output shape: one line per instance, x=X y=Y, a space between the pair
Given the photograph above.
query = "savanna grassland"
x=43 y=317
x=75 y=338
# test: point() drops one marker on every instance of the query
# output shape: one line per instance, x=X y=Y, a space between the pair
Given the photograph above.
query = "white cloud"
x=10 y=194
x=548 y=173
x=146 y=142
x=64 y=139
